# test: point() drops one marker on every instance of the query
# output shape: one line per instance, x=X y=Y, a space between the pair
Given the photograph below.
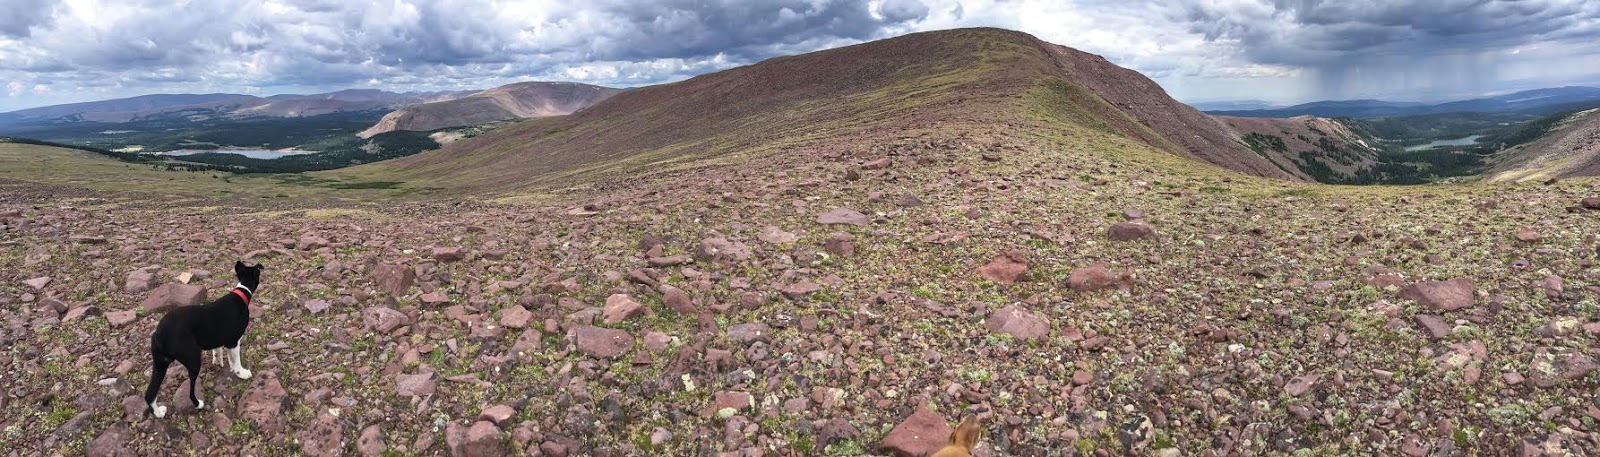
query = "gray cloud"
x=18 y=17
x=52 y=52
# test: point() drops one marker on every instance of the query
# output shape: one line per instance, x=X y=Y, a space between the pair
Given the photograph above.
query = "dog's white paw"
x=160 y=411
x=242 y=373
x=201 y=405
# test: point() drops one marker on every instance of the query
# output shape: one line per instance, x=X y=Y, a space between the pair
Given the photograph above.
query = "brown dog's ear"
x=966 y=435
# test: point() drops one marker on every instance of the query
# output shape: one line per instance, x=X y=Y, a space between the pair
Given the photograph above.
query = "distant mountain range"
x=512 y=101
x=146 y=107
x=1534 y=102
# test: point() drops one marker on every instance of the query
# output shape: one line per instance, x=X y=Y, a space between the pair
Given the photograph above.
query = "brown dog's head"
x=962 y=440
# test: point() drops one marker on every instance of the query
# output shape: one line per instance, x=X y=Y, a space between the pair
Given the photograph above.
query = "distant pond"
x=251 y=153
x=1463 y=141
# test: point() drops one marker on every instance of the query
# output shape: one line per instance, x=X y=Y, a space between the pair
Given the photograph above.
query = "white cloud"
x=1198 y=49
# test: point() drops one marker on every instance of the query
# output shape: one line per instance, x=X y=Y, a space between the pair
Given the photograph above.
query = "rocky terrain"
x=195 y=106
x=512 y=101
x=1084 y=290
x=1308 y=146
x=1570 y=148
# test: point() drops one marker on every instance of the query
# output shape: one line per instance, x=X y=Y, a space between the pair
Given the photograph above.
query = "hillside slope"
x=512 y=101
x=1309 y=147
x=192 y=106
x=1569 y=147
x=841 y=99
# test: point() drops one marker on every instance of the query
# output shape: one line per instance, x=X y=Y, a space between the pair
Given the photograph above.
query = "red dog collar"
x=242 y=296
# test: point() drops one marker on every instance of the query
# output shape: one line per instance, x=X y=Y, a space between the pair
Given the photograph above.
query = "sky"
x=1281 y=51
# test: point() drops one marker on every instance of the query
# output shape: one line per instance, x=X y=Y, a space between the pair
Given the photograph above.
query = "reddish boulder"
x=394 y=279
x=172 y=295
x=383 y=319
x=370 y=443
x=112 y=443
x=729 y=399
x=675 y=299
x=840 y=244
x=601 y=342
x=1006 y=268
x=1442 y=295
x=844 y=216
x=263 y=403
x=324 y=437
x=449 y=254
x=1096 y=277
x=620 y=307
x=924 y=433
x=482 y=439
x=1125 y=231
x=1018 y=322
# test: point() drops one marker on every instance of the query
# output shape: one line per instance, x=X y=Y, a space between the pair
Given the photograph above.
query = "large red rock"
x=675 y=299
x=324 y=437
x=1018 y=322
x=924 y=433
x=1006 y=268
x=383 y=319
x=418 y=385
x=482 y=439
x=138 y=281
x=172 y=295
x=394 y=279
x=449 y=254
x=602 y=342
x=620 y=307
x=371 y=444
x=1095 y=277
x=1442 y=295
x=844 y=216
x=1125 y=231
x=111 y=443
x=263 y=403
x=729 y=399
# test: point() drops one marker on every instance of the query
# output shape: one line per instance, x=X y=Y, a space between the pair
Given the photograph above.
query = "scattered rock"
x=844 y=216
x=383 y=319
x=394 y=279
x=498 y=414
x=324 y=437
x=669 y=261
x=675 y=299
x=416 y=385
x=602 y=342
x=317 y=305
x=310 y=242
x=121 y=318
x=370 y=443
x=1300 y=385
x=172 y=295
x=1018 y=322
x=840 y=244
x=801 y=289
x=620 y=307
x=111 y=443
x=263 y=403
x=1442 y=295
x=482 y=439
x=1006 y=268
x=1096 y=276
x=1591 y=202
x=515 y=316
x=749 y=333
x=728 y=400
x=773 y=234
x=1528 y=234
x=1125 y=231
x=923 y=433
x=1434 y=325
x=449 y=254
x=38 y=283
x=138 y=281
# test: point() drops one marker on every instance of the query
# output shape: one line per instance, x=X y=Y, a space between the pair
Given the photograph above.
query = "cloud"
x=87 y=49
x=19 y=17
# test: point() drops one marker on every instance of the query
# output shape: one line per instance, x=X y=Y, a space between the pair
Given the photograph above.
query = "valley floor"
x=1257 y=318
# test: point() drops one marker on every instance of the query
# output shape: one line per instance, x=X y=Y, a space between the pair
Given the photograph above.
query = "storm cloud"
x=55 y=51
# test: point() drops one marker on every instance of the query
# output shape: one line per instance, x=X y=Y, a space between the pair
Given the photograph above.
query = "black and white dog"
x=187 y=330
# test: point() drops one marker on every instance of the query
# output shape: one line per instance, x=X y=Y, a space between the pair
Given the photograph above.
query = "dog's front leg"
x=233 y=362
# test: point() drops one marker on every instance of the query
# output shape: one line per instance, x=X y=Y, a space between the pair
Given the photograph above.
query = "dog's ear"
x=966 y=435
x=238 y=266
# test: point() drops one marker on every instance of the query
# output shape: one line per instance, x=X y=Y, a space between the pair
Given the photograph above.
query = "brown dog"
x=962 y=440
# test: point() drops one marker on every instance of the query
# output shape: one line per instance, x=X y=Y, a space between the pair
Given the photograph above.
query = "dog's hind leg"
x=158 y=371
x=191 y=360
x=233 y=361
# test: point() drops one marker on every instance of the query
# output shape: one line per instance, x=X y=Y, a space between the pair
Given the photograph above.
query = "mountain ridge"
x=520 y=100
x=827 y=99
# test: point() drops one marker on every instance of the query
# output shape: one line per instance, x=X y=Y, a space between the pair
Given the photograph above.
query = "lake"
x=251 y=153
x=1463 y=141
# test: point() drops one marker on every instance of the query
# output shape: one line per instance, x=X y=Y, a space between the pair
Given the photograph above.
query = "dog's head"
x=963 y=439
x=249 y=275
